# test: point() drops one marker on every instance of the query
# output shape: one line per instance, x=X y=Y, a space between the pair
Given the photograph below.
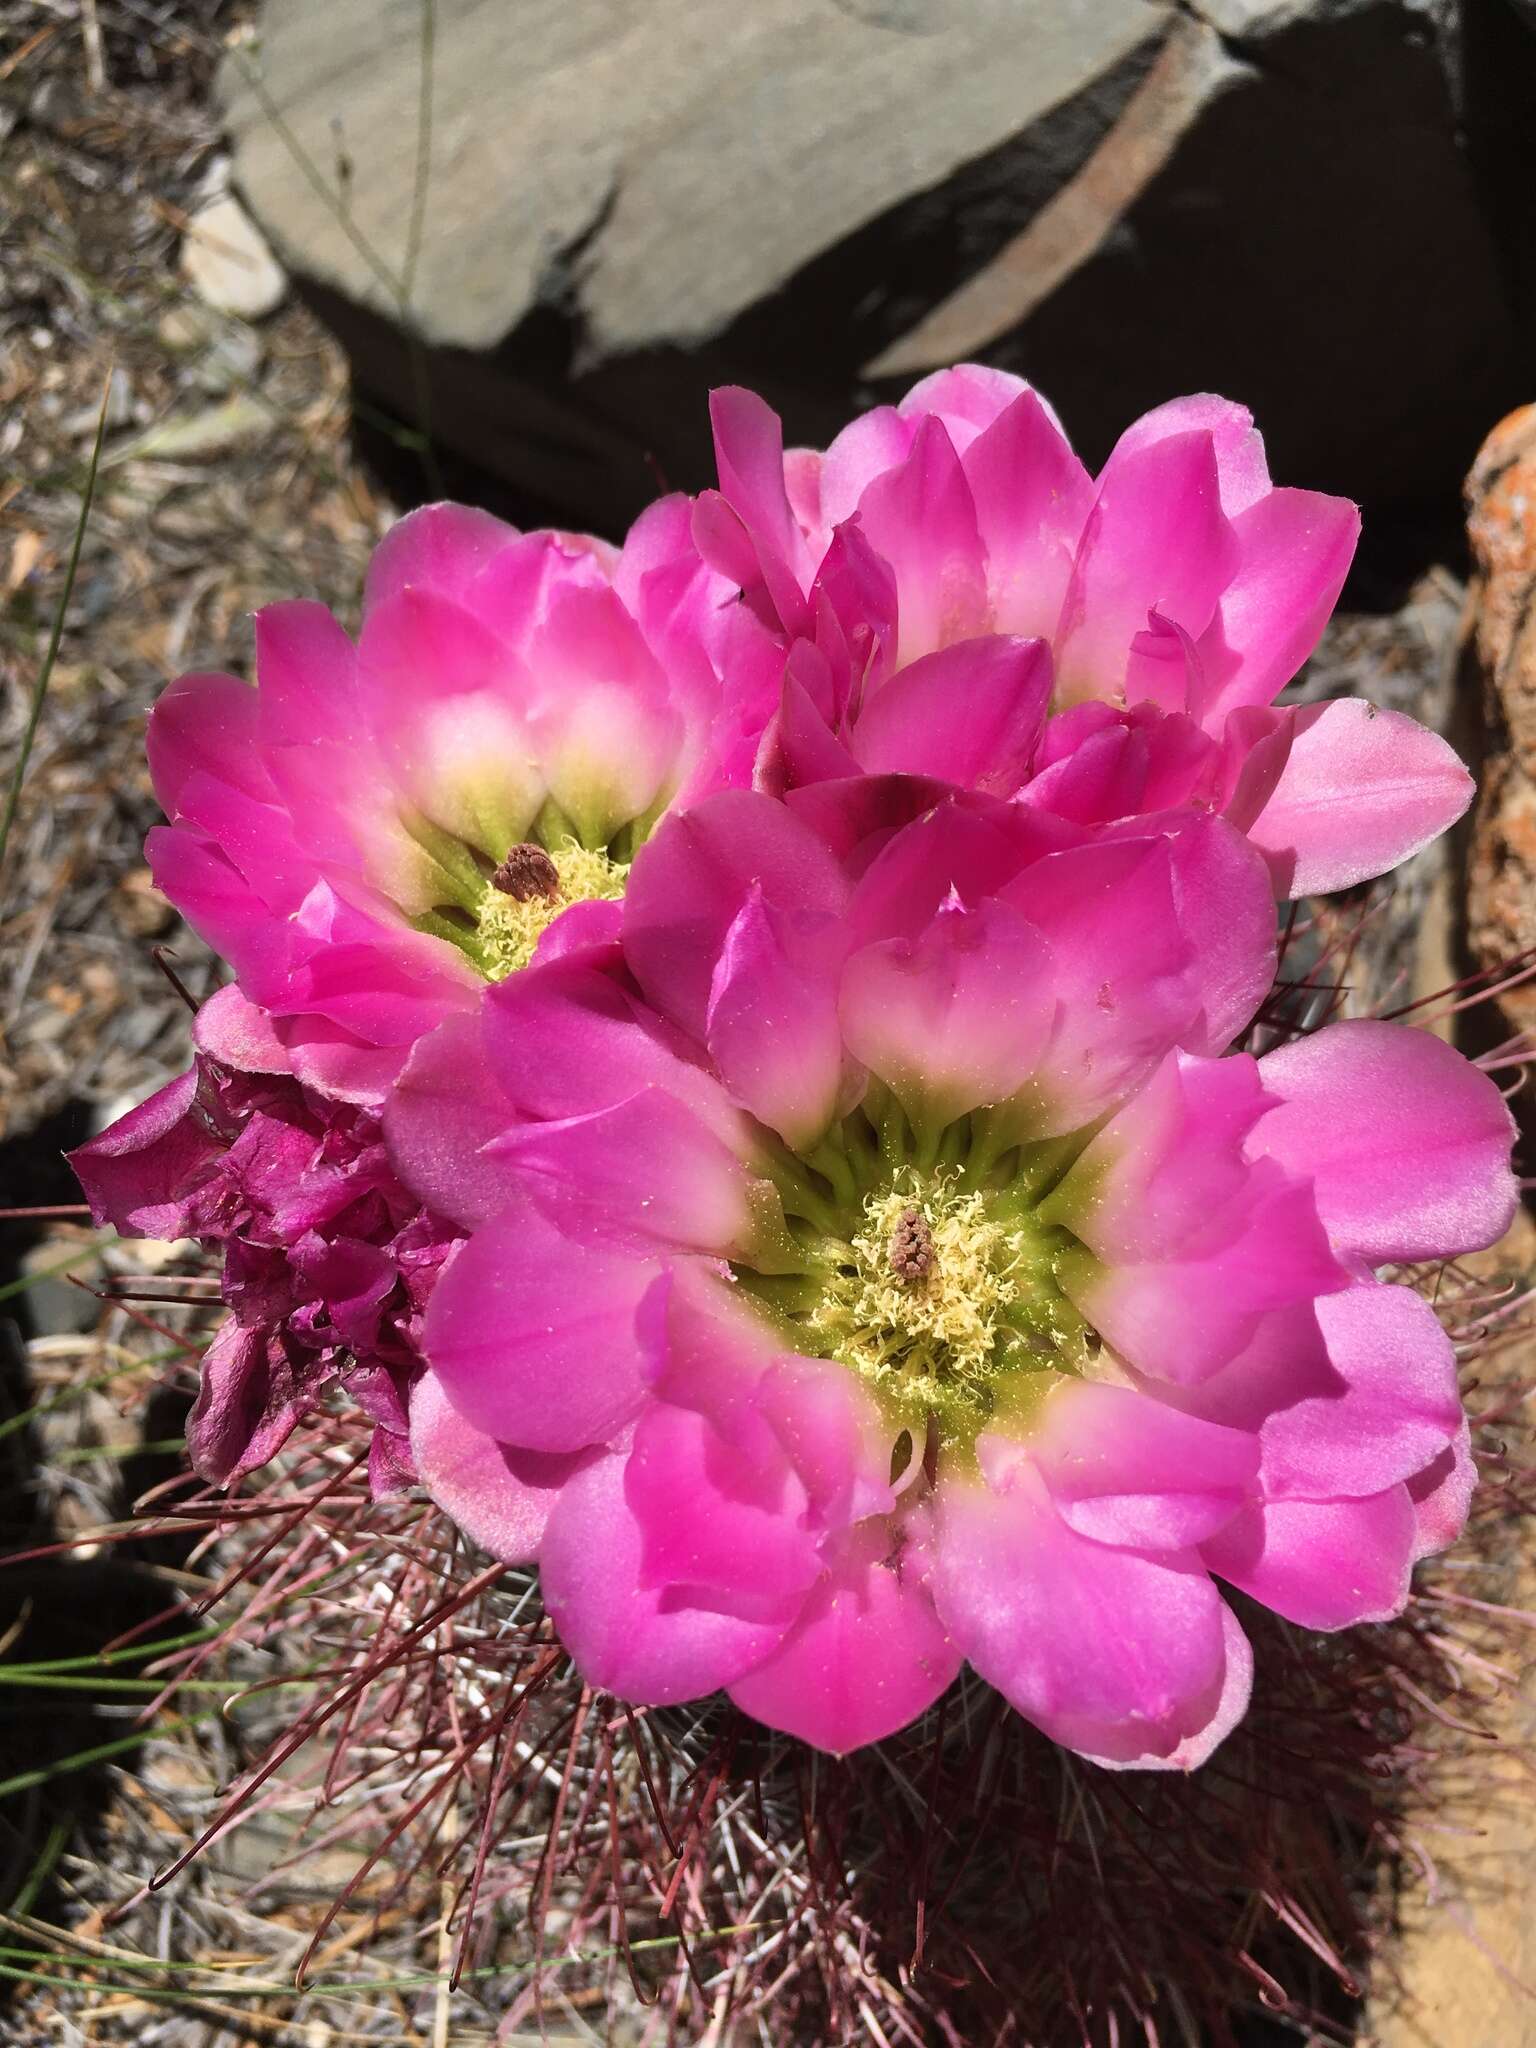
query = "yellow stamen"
x=508 y=930
x=946 y=1335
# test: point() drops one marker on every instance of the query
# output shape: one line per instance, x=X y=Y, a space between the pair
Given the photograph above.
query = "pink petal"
x=933 y=848
x=314 y=742
x=718 y=1518
x=1393 y=1407
x=438 y=547
x=834 y=1436
x=205 y=725
x=1241 y=470
x=441 y=1113
x=858 y=814
x=1120 y=976
x=802 y=485
x=772 y=1029
x=139 y=1173
x=658 y=555
x=749 y=448
x=1123 y=764
x=589 y=932
x=258 y=838
x=244 y=1413
x=1223 y=910
x=854 y=605
x=375 y=977
x=1156 y=540
x=1322 y=1564
x=1255 y=745
x=1185 y=1318
x=706 y=1349
x=1160 y=940
x=689 y=883
x=307 y=671
x=967 y=398
x=955 y=1019
x=727 y=546
x=749 y=452
x=419 y=646
x=1112 y=1653
x=647 y=1169
x=512 y=595
x=1442 y=1496
x=1407 y=1144
x=645 y=1645
x=800 y=744
x=568 y=1038
x=922 y=519
x=235 y=1032
x=1167 y=1172
x=1128 y=1470
x=326 y=1057
x=1294 y=551
x=877 y=441
x=221 y=907
x=500 y=1497
x=533 y=1337
x=1163 y=670
x=606 y=731
x=1361 y=790
x=1032 y=499
x=866 y=1656
x=1346 y=1413
x=445 y=699
x=391 y=1468
x=969 y=714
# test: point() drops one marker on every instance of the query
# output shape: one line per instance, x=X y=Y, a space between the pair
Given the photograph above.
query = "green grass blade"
x=45 y=673
x=82 y=1759
x=81 y=1256
x=134 y=1653
x=42 y=1868
x=64 y=1396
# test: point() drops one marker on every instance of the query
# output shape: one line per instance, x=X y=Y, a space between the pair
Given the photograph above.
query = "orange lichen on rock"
x=1501 y=498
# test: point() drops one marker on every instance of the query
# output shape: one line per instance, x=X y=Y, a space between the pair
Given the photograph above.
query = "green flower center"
x=937 y=1279
x=496 y=915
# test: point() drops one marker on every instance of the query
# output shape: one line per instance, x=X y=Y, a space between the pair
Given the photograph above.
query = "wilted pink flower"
x=328 y=1260
x=875 y=1265
x=342 y=833
x=948 y=571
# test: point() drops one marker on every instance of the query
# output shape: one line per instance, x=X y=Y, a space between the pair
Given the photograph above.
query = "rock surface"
x=1501 y=910
x=628 y=200
x=228 y=263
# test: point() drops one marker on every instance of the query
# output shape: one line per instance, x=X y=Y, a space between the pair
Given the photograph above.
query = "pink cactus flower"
x=949 y=562
x=875 y=1263
x=328 y=1260
x=379 y=828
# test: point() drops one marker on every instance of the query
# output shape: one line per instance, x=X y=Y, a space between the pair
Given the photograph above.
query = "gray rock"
x=55 y=1306
x=629 y=200
x=228 y=263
